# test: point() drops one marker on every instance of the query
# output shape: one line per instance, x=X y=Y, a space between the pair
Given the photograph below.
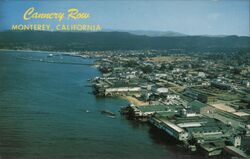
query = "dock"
x=236 y=151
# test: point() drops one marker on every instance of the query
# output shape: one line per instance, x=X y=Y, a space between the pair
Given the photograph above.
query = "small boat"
x=108 y=113
x=110 y=116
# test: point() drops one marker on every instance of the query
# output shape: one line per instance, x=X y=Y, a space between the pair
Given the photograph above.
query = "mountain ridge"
x=118 y=41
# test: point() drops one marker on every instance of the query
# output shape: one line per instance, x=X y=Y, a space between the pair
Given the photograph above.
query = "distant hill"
x=75 y=41
x=156 y=33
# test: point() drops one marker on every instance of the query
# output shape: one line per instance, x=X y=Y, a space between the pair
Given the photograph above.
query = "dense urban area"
x=201 y=100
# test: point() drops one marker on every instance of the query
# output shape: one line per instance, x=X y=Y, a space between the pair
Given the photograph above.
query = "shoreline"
x=130 y=99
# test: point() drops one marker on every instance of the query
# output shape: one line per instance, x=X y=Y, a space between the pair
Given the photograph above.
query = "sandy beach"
x=135 y=101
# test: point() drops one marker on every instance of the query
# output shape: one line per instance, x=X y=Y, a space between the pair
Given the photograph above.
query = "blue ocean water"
x=47 y=110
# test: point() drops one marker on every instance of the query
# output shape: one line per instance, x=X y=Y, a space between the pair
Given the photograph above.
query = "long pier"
x=54 y=62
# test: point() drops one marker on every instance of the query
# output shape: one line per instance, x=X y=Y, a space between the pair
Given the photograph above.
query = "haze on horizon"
x=193 y=17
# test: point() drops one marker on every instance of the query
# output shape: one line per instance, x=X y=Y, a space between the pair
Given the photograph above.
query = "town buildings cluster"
x=200 y=99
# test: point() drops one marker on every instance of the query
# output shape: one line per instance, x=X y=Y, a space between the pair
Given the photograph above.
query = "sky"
x=192 y=17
